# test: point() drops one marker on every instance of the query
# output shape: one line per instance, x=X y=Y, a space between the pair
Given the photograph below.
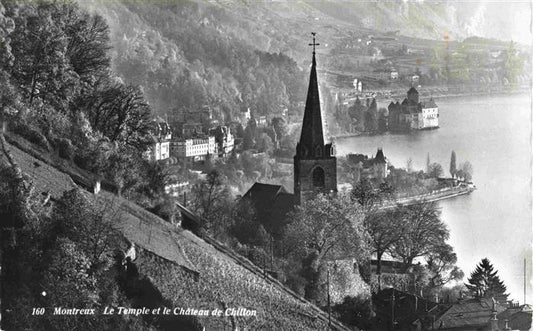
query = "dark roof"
x=380 y=158
x=412 y=90
x=264 y=192
x=429 y=104
x=468 y=313
x=312 y=134
x=271 y=204
x=519 y=318
x=283 y=203
x=395 y=266
x=408 y=307
x=189 y=220
x=356 y=158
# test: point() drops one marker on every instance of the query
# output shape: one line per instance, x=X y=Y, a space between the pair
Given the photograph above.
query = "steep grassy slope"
x=176 y=269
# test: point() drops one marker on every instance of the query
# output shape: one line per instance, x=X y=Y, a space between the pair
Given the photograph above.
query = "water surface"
x=494 y=135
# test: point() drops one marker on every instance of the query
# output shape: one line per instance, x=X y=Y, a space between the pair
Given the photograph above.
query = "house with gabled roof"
x=271 y=203
x=484 y=314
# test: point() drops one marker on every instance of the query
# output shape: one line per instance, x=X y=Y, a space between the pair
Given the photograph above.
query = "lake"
x=493 y=133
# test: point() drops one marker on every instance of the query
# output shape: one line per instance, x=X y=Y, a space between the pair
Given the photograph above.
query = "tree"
x=68 y=245
x=513 y=64
x=428 y=164
x=409 y=165
x=265 y=144
x=484 y=282
x=249 y=137
x=467 y=171
x=280 y=127
x=356 y=311
x=39 y=44
x=435 y=170
x=384 y=229
x=453 y=167
x=423 y=231
x=88 y=39
x=120 y=113
x=324 y=228
x=368 y=197
x=211 y=200
x=441 y=266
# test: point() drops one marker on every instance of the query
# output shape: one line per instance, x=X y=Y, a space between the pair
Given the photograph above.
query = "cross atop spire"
x=312 y=142
x=314 y=44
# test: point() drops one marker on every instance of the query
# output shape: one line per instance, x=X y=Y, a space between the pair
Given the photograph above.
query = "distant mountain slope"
x=187 y=54
x=434 y=19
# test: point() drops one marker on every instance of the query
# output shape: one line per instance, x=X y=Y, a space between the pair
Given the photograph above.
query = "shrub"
x=65 y=148
x=32 y=134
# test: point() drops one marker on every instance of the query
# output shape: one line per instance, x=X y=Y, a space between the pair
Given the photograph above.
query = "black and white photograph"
x=242 y=165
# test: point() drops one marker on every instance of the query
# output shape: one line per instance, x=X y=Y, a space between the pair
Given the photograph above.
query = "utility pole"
x=271 y=254
x=393 y=302
x=525 y=280
x=329 y=303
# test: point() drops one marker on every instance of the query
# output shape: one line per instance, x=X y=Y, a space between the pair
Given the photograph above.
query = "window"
x=318 y=177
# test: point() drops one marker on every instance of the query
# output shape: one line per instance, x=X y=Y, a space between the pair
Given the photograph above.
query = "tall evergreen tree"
x=453 y=166
x=485 y=283
x=428 y=164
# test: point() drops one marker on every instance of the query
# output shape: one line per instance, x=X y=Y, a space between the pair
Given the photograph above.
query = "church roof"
x=263 y=196
x=312 y=132
x=271 y=203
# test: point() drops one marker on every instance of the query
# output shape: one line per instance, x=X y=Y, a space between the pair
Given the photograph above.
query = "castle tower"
x=315 y=165
x=412 y=95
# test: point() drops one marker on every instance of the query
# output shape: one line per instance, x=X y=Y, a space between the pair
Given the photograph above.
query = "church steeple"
x=314 y=162
x=312 y=132
x=312 y=142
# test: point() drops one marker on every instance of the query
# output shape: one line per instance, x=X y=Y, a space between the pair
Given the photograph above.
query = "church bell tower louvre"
x=315 y=165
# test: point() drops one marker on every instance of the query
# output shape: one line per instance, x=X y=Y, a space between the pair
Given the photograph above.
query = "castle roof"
x=412 y=90
x=429 y=104
x=380 y=158
x=312 y=132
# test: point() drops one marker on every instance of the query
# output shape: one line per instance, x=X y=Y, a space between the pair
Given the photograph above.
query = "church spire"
x=315 y=165
x=312 y=137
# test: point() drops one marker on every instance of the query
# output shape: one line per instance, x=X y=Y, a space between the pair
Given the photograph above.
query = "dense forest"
x=185 y=59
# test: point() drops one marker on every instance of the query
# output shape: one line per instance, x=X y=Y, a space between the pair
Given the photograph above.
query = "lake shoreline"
x=445 y=97
x=493 y=134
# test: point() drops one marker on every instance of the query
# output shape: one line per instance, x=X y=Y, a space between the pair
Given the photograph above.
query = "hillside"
x=233 y=55
x=174 y=268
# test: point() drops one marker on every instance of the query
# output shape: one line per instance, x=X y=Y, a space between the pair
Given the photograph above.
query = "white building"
x=224 y=139
x=161 y=135
x=194 y=148
x=430 y=115
x=176 y=188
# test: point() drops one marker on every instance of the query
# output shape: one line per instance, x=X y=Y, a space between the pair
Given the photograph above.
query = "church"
x=315 y=166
